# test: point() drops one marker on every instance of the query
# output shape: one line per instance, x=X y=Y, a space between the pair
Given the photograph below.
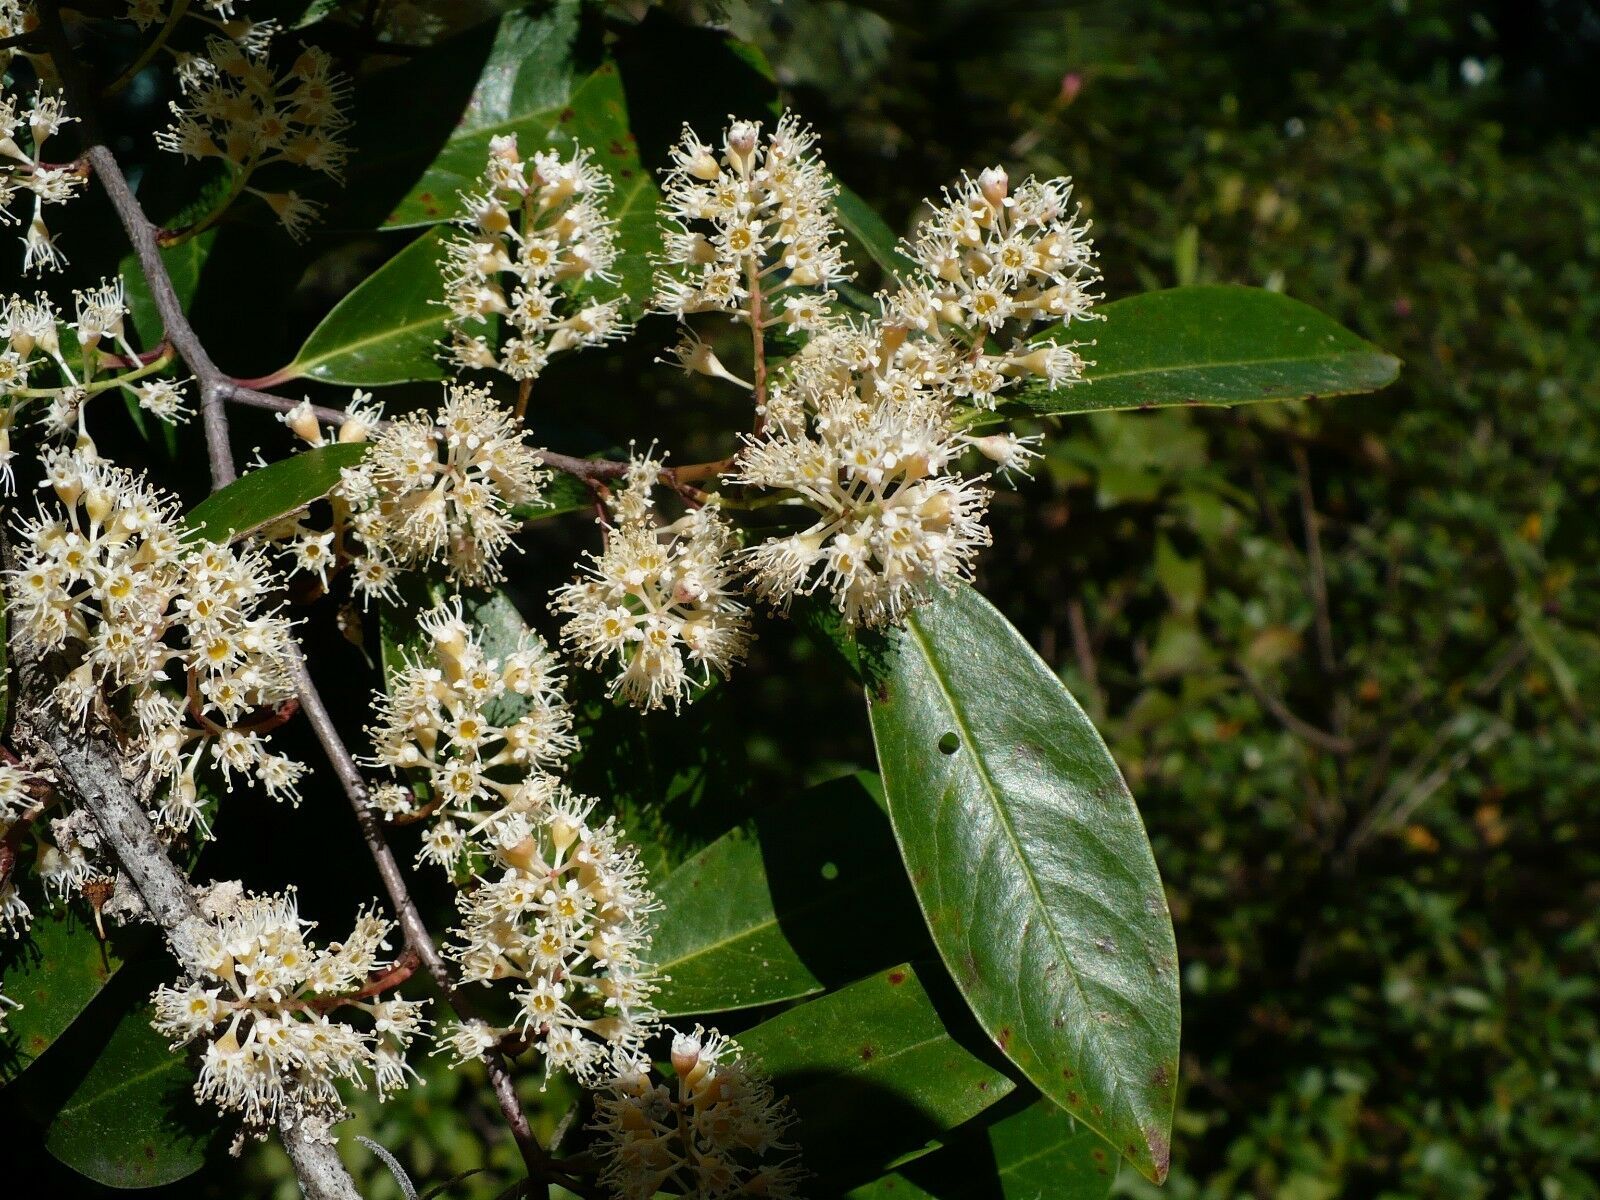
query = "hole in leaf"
x=949 y=744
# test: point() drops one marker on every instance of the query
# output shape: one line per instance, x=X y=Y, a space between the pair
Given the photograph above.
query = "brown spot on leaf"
x=1161 y=1077
x=1098 y=1154
x=1004 y=1039
x=1160 y=1151
x=868 y=1054
x=896 y=978
x=566 y=116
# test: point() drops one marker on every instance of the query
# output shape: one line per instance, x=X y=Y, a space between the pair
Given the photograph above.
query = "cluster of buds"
x=182 y=640
x=750 y=227
x=243 y=113
x=564 y=913
x=263 y=999
x=25 y=170
x=659 y=603
x=534 y=234
x=716 y=1130
x=456 y=717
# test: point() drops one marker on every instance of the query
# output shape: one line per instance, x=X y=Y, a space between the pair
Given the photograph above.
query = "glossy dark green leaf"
x=130 y=1120
x=386 y=329
x=263 y=496
x=1213 y=345
x=184 y=262
x=1034 y=1152
x=54 y=972
x=754 y=918
x=876 y=1072
x=528 y=83
x=1032 y=868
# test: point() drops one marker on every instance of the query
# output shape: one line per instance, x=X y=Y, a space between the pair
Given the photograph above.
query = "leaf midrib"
x=1233 y=364
x=128 y=1081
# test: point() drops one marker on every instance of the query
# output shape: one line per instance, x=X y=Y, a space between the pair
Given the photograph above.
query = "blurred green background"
x=1345 y=652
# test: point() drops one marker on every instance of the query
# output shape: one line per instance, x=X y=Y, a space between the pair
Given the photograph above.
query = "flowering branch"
x=418 y=940
x=143 y=234
x=90 y=766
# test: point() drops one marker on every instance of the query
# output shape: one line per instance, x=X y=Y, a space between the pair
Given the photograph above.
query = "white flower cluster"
x=994 y=265
x=27 y=171
x=563 y=912
x=437 y=488
x=873 y=451
x=458 y=717
x=718 y=1131
x=262 y=999
x=240 y=111
x=24 y=169
x=182 y=639
x=534 y=232
x=659 y=602
x=750 y=218
x=867 y=425
x=558 y=902
x=31 y=340
x=750 y=231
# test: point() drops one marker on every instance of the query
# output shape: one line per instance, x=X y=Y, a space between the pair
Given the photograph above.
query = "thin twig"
x=418 y=939
x=1331 y=742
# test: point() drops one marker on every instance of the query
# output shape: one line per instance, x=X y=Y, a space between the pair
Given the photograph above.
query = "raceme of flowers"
x=659 y=602
x=562 y=912
x=717 y=1129
x=25 y=171
x=874 y=455
x=558 y=902
x=533 y=233
x=437 y=488
x=477 y=729
x=263 y=1001
x=80 y=359
x=183 y=640
x=750 y=219
x=242 y=112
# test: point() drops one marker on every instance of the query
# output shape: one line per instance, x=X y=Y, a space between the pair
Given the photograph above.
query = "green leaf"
x=54 y=973
x=271 y=493
x=1032 y=868
x=876 y=1071
x=386 y=329
x=1036 y=1151
x=1214 y=345
x=755 y=917
x=528 y=84
x=184 y=263
x=870 y=232
x=130 y=1120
